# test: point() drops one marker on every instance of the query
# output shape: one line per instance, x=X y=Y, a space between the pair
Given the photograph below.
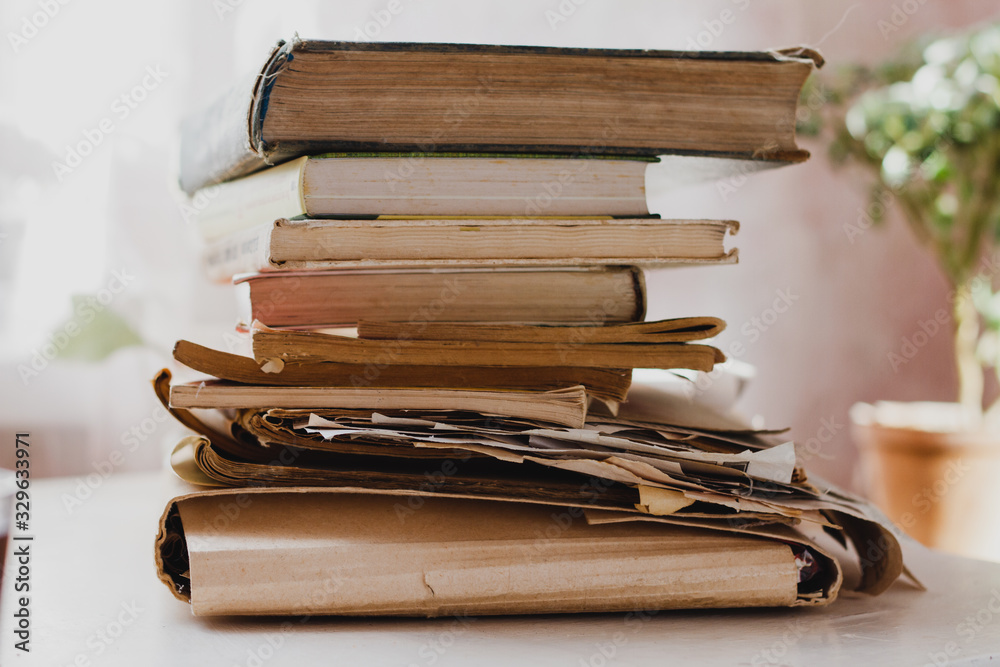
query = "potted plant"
x=926 y=128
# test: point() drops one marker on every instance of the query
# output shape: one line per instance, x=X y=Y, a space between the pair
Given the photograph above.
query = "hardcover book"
x=313 y=96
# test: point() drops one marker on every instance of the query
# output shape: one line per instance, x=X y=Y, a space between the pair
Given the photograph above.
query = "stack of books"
x=441 y=251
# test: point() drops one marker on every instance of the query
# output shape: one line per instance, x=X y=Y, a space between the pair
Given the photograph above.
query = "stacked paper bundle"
x=472 y=444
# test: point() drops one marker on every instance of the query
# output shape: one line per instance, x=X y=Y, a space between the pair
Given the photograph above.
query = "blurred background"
x=99 y=271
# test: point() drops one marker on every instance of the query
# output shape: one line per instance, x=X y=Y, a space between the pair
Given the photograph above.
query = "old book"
x=356 y=554
x=607 y=384
x=634 y=347
x=315 y=96
x=360 y=185
x=463 y=242
x=327 y=299
x=560 y=406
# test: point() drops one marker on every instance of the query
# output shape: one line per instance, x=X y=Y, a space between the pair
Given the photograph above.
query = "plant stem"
x=970 y=374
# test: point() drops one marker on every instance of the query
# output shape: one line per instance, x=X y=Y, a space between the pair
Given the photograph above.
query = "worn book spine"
x=604 y=295
x=567 y=406
x=296 y=347
x=608 y=384
x=215 y=145
x=227 y=141
x=483 y=242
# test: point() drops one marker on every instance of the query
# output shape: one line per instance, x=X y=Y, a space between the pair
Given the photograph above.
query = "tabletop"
x=95 y=599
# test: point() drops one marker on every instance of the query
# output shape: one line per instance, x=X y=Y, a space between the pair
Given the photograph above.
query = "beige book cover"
x=333 y=551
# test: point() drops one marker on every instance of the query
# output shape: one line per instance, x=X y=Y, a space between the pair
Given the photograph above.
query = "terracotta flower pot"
x=935 y=478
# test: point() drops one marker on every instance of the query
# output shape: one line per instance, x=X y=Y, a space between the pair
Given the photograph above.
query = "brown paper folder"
x=328 y=551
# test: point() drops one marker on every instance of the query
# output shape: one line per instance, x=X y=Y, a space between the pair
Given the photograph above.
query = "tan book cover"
x=322 y=551
x=638 y=345
x=325 y=244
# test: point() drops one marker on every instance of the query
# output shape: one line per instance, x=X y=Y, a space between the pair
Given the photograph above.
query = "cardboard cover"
x=350 y=551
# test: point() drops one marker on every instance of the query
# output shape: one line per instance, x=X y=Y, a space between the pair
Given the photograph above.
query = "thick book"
x=462 y=242
x=313 y=96
x=331 y=299
x=423 y=184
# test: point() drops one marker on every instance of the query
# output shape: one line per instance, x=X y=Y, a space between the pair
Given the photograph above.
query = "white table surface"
x=95 y=600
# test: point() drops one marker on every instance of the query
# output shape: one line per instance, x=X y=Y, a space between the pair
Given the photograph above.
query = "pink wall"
x=856 y=301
